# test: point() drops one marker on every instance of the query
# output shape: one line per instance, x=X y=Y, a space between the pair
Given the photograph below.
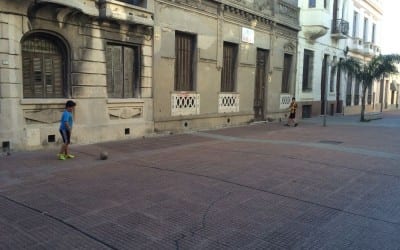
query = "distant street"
x=260 y=186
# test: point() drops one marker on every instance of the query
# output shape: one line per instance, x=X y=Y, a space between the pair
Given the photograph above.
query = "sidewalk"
x=261 y=186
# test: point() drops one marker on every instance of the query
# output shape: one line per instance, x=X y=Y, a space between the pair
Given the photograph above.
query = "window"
x=311 y=3
x=348 y=89
x=308 y=62
x=365 y=35
x=355 y=24
x=369 y=100
x=184 y=61
x=357 y=93
x=332 y=76
x=43 y=65
x=135 y=2
x=287 y=65
x=373 y=33
x=228 y=68
x=122 y=71
x=325 y=4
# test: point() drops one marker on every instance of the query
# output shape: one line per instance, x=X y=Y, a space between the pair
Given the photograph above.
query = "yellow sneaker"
x=70 y=156
x=61 y=157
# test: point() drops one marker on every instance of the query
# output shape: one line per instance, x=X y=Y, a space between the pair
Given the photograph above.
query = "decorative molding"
x=125 y=112
x=63 y=14
x=289 y=47
x=44 y=116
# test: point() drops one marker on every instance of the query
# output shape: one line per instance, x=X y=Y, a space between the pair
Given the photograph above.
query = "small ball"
x=103 y=155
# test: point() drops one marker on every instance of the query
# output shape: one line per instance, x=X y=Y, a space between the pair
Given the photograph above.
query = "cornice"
x=262 y=12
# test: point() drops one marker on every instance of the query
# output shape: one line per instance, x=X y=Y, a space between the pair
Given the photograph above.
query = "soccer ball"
x=103 y=155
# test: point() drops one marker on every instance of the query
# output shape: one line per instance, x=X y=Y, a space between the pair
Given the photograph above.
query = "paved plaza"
x=260 y=186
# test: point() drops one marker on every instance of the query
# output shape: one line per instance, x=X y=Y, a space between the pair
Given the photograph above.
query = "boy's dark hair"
x=70 y=104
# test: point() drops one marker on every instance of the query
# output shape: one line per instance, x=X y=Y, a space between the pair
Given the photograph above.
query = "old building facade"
x=98 y=53
x=332 y=31
x=221 y=63
x=138 y=66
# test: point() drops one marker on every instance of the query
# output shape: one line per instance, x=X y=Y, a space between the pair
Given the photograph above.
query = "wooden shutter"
x=60 y=90
x=228 y=68
x=114 y=71
x=43 y=68
x=128 y=72
x=184 y=49
x=37 y=77
x=287 y=64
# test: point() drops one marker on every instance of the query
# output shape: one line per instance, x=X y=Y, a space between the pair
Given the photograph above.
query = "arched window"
x=44 y=67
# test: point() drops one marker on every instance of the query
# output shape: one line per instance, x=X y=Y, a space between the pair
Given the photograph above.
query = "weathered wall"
x=27 y=123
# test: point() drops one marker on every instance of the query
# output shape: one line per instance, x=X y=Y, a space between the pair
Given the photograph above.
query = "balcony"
x=85 y=6
x=356 y=45
x=371 y=49
x=185 y=103
x=284 y=101
x=315 y=23
x=340 y=29
x=287 y=13
x=228 y=102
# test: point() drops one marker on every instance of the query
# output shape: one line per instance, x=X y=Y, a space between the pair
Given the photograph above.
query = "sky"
x=390 y=35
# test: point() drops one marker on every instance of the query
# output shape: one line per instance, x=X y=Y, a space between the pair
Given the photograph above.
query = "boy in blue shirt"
x=66 y=124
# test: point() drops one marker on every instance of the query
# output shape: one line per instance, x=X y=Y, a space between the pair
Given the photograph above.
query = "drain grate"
x=331 y=142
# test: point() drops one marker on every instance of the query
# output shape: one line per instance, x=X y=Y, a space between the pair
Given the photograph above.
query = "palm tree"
x=366 y=73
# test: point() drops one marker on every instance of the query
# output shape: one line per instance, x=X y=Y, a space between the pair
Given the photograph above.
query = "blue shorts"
x=66 y=136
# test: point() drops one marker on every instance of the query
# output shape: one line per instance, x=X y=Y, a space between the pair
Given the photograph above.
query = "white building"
x=331 y=31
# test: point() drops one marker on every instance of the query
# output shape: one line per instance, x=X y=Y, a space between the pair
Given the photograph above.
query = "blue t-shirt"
x=66 y=117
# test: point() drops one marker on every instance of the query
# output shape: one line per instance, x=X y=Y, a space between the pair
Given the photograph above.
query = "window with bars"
x=122 y=71
x=307 y=70
x=369 y=100
x=184 y=61
x=229 y=67
x=43 y=67
x=348 y=89
x=357 y=93
x=332 y=76
x=287 y=65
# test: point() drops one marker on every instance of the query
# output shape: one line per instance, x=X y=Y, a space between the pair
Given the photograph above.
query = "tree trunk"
x=364 y=91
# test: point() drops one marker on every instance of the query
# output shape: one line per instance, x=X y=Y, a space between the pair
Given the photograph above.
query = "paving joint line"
x=267 y=191
x=307 y=144
x=44 y=213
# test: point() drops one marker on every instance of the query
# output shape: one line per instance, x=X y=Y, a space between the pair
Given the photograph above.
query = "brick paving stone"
x=252 y=187
x=18 y=241
x=74 y=241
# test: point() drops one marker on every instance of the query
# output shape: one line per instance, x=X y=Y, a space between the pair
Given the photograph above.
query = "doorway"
x=323 y=83
x=261 y=79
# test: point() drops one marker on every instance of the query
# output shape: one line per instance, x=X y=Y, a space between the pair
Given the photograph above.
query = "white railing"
x=184 y=103
x=228 y=102
x=285 y=101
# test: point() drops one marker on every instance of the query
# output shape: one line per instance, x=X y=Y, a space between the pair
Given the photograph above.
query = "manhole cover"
x=331 y=142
